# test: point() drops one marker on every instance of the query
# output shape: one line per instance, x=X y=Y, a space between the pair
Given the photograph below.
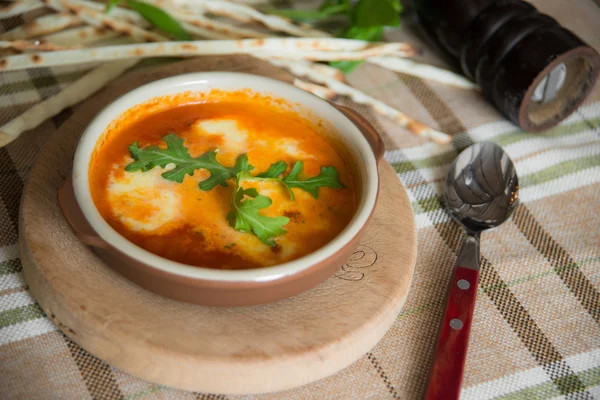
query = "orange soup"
x=170 y=215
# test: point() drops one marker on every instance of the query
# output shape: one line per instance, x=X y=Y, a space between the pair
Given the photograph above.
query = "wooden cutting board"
x=219 y=350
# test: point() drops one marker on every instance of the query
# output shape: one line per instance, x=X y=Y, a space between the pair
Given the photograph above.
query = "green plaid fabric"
x=536 y=332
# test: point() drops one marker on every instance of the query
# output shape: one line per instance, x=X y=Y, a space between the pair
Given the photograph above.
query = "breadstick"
x=318 y=90
x=83 y=36
x=19 y=7
x=120 y=13
x=210 y=24
x=292 y=48
x=424 y=71
x=414 y=126
x=73 y=94
x=100 y=19
x=23 y=45
x=41 y=26
x=244 y=13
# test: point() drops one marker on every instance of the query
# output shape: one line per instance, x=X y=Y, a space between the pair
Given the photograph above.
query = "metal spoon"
x=481 y=193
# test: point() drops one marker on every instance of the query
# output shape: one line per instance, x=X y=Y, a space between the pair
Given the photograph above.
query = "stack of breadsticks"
x=70 y=32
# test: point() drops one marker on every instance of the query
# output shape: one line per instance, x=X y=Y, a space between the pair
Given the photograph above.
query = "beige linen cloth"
x=536 y=332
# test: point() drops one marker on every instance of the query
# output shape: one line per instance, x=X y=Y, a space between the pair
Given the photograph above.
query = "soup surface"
x=182 y=222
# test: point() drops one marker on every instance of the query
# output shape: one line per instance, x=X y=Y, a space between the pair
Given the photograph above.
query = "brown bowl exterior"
x=212 y=292
x=198 y=291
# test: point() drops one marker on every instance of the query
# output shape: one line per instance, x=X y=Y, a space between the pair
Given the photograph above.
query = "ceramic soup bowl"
x=216 y=287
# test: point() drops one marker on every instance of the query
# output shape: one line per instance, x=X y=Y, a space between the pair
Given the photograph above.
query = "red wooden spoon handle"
x=449 y=360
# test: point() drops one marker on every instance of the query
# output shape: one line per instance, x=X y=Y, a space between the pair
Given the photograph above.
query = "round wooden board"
x=219 y=350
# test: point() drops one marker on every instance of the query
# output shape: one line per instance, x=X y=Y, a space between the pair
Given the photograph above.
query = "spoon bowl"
x=482 y=187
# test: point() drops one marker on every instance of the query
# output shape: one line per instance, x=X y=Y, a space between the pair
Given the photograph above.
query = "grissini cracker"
x=424 y=71
x=192 y=18
x=45 y=25
x=201 y=32
x=19 y=7
x=120 y=13
x=82 y=36
x=73 y=94
x=281 y=48
x=23 y=45
x=318 y=90
x=414 y=126
x=329 y=71
x=244 y=13
x=100 y=19
x=198 y=20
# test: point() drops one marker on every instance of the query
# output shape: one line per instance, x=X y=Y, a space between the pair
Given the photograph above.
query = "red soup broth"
x=183 y=223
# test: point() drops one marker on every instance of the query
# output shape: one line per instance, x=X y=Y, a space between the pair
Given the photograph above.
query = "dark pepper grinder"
x=532 y=69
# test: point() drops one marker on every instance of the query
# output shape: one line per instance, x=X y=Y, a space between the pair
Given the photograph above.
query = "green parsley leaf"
x=369 y=13
x=220 y=174
x=159 y=18
x=176 y=153
x=272 y=175
x=327 y=178
x=274 y=170
x=245 y=215
x=332 y=3
x=372 y=34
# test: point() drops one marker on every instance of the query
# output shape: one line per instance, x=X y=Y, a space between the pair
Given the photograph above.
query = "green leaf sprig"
x=176 y=153
x=155 y=15
x=246 y=204
x=328 y=177
x=365 y=20
x=244 y=215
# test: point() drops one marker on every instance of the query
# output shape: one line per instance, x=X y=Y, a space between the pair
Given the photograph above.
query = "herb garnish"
x=363 y=20
x=327 y=178
x=244 y=215
x=176 y=153
x=155 y=15
x=246 y=204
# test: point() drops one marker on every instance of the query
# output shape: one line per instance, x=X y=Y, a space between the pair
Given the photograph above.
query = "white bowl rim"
x=97 y=126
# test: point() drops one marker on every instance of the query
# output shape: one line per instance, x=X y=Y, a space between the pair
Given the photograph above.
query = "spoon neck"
x=468 y=256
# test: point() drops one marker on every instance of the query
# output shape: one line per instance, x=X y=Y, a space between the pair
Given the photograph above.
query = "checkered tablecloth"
x=536 y=332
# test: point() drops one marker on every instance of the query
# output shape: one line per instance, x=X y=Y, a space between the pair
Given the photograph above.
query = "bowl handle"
x=75 y=218
x=368 y=131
